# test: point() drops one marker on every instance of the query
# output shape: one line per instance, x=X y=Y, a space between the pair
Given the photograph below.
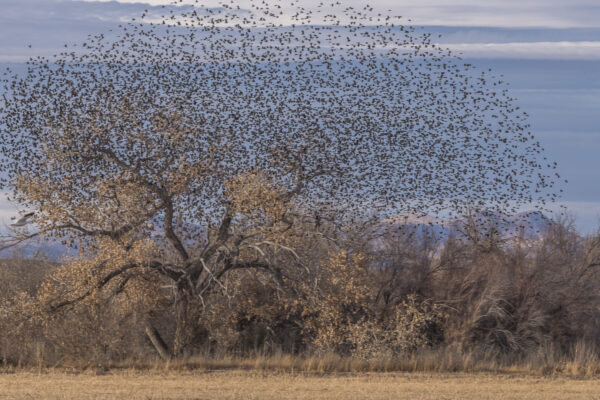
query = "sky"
x=548 y=50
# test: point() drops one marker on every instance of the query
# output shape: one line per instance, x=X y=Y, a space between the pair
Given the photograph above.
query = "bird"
x=24 y=220
x=392 y=119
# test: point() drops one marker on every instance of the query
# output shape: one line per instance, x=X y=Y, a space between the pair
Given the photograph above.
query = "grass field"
x=130 y=384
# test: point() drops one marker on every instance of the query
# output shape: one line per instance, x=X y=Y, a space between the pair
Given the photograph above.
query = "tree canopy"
x=193 y=145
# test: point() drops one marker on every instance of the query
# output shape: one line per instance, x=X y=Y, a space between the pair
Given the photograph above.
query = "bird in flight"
x=24 y=220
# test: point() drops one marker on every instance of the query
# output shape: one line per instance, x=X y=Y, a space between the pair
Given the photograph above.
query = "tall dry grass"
x=582 y=361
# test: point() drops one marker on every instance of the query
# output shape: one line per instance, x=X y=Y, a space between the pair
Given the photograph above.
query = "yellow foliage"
x=253 y=194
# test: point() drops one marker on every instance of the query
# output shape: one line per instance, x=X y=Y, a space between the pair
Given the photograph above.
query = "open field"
x=131 y=384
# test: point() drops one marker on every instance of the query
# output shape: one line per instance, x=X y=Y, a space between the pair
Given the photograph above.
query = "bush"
x=411 y=296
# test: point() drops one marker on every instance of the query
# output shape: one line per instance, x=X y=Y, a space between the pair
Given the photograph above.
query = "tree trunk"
x=184 y=320
x=157 y=341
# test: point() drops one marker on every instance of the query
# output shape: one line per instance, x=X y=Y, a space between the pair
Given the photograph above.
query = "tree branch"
x=161 y=192
x=168 y=227
x=166 y=269
x=99 y=285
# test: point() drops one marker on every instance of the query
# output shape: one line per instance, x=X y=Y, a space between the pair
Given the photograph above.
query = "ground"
x=269 y=385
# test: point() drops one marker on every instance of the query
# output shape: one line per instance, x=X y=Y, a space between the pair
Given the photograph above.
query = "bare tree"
x=190 y=148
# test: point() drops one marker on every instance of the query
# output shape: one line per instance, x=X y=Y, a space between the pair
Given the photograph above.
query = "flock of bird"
x=362 y=107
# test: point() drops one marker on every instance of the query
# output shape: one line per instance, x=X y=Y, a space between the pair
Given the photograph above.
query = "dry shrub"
x=516 y=297
x=251 y=316
x=19 y=280
x=325 y=309
x=38 y=326
x=412 y=325
x=462 y=305
x=339 y=303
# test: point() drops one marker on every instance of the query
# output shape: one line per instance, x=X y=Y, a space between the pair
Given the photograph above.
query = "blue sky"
x=549 y=51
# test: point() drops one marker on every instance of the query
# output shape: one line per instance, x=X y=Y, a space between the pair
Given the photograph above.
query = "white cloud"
x=150 y=2
x=71 y=20
x=529 y=50
x=498 y=13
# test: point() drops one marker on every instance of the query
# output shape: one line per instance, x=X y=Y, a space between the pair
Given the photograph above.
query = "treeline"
x=413 y=293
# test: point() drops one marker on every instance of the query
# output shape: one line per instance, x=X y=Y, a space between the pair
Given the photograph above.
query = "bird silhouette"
x=25 y=219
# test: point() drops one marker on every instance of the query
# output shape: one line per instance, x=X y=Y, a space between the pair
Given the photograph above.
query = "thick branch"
x=222 y=235
x=161 y=192
x=99 y=285
x=165 y=269
x=169 y=231
x=244 y=265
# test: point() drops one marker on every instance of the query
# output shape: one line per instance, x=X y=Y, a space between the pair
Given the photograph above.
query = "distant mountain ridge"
x=38 y=247
x=528 y=225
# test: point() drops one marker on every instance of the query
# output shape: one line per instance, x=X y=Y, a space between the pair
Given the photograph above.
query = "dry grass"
x=435 y=375
x=582 y=362
x=236 y=384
